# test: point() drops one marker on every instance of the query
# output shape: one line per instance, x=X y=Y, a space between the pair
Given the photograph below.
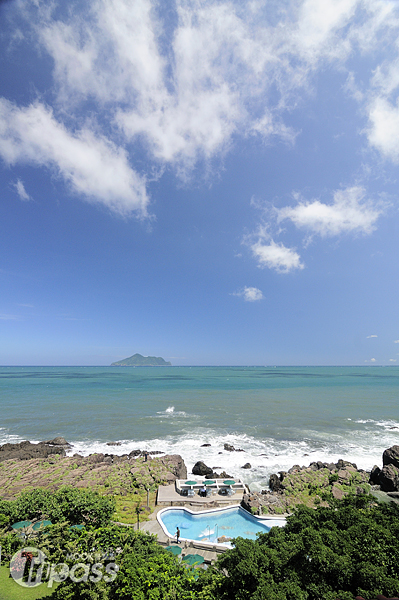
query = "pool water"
x=208 y=526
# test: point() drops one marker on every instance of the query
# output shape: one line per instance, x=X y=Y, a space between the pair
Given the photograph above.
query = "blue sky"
x=208 y=181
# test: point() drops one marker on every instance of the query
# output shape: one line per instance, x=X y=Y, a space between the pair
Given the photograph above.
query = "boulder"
x=229 y=447
x=246 y=466
x=391 y=456
x=201 y=469
x=224 y=475
x=274 y=482
x=58 y=441
x=375 y=475
x=176 y=464
x=337 y=492
x=389 y=479
x=114 y=443
x=205 y=445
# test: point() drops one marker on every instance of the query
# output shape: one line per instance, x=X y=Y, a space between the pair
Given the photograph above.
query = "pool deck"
x=169 y=496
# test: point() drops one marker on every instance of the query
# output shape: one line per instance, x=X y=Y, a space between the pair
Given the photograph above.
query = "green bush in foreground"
x=66 y=504
x=349 y=549
x=340 y=552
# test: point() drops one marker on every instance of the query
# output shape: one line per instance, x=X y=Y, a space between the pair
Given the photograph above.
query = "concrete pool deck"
x=169 y=496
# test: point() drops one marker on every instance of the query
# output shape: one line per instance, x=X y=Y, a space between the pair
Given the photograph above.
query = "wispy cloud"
x=92 y=165
x=250 y=294
x=349 y=212
x=7 y=317
x=371 y=336
x=396 y=342
x=184 y=95
x=21 y=191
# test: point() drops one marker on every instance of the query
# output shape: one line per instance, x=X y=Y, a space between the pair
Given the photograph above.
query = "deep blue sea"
x=279 y=416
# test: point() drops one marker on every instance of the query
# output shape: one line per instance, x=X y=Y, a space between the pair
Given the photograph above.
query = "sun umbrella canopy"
x=41 y=525
x=174 y=550
x=190 y=482
x=193 y=559
x=209 y=482
x=229 y=482
x=21 y=524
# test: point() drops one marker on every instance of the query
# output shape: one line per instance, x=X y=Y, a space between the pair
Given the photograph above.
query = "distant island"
x=142 y=361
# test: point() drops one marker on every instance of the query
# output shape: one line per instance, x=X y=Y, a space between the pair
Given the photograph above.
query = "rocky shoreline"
x=25 y=466
x=316 y=484
x=46 y=464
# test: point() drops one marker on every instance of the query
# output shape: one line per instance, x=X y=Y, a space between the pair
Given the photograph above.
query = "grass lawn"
x=9 y=590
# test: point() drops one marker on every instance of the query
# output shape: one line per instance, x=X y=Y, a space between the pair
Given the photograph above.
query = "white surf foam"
x=265 y=456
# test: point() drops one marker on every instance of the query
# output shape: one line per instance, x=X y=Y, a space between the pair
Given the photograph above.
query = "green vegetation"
x=67 y=504
x=137 y=360
x=341 y=549
x=349 y=549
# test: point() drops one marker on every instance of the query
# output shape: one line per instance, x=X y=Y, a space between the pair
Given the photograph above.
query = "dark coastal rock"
x=294 y=469
x=58 y=441
x=229 y=447
x=114 y=443
x=375 y=475
x=391 y=457
x=246 y=466
x=134 y=453
x=205 y=445
x=274 y=482
x=389 y=479
x=224 y=475
x=175 y=464
x=27 y=450
x=201 y=469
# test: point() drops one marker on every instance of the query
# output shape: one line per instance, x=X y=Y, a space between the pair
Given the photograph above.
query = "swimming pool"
x=210 y=526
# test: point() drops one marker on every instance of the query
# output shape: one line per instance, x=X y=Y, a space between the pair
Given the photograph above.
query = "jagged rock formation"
x=307 y=485
x=107 y=473
x=27 y=450
x=387 y=477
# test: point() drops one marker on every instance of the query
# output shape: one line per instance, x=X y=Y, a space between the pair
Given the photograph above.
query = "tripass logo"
x=29 y=568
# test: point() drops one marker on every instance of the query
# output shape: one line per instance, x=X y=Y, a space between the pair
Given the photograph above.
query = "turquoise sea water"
x=279 y=416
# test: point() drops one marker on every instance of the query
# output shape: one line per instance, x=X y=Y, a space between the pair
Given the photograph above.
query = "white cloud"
x=250 y=294
x=21 y=191
x=383 y=132
x=5 y=317
x=276 y=256
x=93 y=166
x=349 y=212
x=371 y=336
x=396 y=342
x=185 y=87
x=393 y=359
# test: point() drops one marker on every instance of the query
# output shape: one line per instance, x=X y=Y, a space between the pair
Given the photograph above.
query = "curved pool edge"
x=279 y=522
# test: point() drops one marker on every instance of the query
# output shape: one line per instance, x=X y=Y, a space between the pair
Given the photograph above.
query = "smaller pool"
x=211 y=525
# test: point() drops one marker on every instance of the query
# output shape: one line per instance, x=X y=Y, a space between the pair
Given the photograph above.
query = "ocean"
x=278 y=416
